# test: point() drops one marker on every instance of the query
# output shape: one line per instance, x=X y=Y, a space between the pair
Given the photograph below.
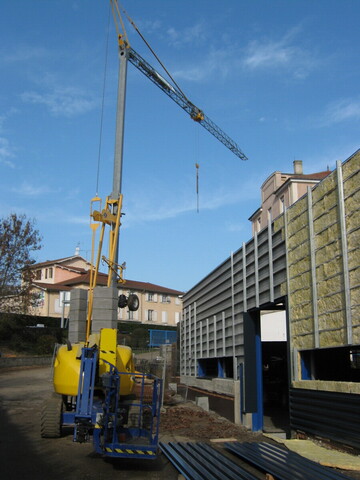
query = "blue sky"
x=280 y=77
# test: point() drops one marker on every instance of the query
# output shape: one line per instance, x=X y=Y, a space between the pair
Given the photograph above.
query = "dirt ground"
x=25 y=455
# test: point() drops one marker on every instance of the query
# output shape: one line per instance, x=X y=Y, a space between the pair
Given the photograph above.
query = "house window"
x=38 y=275
x=165 y=299
x=64 y=297
x=150 y=297
x=282 y=203
x=164 y=317
x=150 y=315
x=48 y=272
x=38 y=300
x=130 y=315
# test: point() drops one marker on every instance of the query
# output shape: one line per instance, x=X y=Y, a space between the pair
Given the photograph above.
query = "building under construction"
x=272 y=336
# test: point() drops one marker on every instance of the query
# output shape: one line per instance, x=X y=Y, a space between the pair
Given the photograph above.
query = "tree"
x=18 y=240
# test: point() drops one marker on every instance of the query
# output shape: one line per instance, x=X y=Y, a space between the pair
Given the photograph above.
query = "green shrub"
x=45 y=344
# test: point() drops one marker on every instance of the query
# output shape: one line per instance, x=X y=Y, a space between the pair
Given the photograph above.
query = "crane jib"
x=194 y=112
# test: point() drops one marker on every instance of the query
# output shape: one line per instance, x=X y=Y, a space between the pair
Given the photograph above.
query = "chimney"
x=298 y=167
x=77 y=250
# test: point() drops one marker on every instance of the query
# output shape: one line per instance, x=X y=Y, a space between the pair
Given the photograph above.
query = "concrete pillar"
x=237 y=403
x=77 y=315
x=104 y=308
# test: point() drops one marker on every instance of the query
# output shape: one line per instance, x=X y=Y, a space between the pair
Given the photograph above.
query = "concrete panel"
x=202 y=402
x=105 y=308
x=77 y=315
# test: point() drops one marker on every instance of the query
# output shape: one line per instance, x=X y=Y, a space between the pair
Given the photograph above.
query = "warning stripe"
x=107 y=351
x=129 y=452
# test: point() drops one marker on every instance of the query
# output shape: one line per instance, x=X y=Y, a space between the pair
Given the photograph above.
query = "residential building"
x=280 y=190
x=54 y=280
x=49 y=283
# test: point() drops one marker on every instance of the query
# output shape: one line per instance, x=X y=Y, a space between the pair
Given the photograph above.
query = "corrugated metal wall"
x=212 y=324
x=327 y=414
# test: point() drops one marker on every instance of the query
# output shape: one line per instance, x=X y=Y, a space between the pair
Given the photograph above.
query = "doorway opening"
x=274 y=357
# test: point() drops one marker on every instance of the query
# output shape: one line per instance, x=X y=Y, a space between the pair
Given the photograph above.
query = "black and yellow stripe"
x=128 y=451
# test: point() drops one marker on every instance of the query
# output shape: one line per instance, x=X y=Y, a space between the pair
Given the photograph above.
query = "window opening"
x=340 y=364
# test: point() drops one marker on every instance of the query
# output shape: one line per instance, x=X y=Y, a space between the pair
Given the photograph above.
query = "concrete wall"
x=24 y=361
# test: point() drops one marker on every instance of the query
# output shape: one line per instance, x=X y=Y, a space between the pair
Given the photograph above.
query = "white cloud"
x=6 y=153
x=267 y=54
x=214 y=61
x=235 y=227
x=23 y=53
x=259 y=54
x=66 y=101
x=29 y=190
x=174 y=204
x=147 y=26
x=80 y=220
x=342 y=110
x=282 y=53
x=196 y=34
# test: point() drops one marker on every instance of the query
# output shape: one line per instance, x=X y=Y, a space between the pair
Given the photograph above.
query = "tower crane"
x=95 y=380
x=173 y=91
x=128 y=54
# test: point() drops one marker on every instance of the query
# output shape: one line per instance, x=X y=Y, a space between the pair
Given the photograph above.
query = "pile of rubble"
x=188 y=420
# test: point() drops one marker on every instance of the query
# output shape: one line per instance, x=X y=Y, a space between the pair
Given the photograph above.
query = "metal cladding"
x=199 y=461
x=331 y=414
x=281 y=463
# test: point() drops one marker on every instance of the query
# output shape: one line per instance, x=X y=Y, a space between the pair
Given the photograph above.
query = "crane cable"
x=146 y=43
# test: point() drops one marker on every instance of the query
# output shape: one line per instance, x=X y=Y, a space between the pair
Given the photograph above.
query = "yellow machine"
x=68 y=361
x=93 y=384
